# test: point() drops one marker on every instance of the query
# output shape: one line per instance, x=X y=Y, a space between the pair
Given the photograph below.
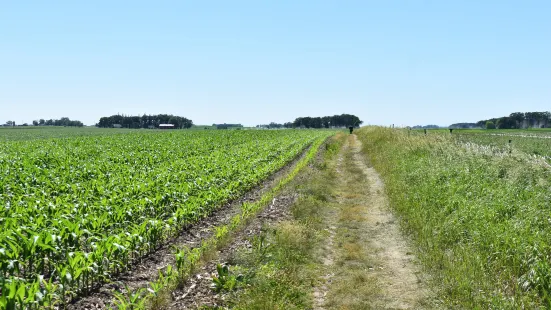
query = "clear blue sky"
x=401 y=62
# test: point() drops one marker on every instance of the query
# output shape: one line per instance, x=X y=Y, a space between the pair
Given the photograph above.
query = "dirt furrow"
x=197 y=291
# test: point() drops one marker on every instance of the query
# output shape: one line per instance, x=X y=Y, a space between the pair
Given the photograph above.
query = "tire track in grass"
x=320 y=292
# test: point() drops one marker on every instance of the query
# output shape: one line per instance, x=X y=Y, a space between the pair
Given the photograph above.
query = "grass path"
x=368 y=263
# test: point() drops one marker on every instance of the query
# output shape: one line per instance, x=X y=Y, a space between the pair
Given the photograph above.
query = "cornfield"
x=81 y=209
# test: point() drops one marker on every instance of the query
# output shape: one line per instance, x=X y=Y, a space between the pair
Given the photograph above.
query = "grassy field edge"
x=479 y=220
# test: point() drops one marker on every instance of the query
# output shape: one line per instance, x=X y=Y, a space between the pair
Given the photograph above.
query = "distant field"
x=491 y=131
x=47 y=132
x=531 y=141
x=199 y=127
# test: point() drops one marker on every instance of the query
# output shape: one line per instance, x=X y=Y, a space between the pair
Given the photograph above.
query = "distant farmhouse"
x=166 y=126
x=161 y=126
x=227 y=126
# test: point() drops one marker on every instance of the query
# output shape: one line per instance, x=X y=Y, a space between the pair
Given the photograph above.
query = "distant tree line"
x=517 y=120
x=464 y=126
x=426 y=127
x=227 y=126
x=144 y=121
x=273 y=125
x=335 y=121
x=64 y=121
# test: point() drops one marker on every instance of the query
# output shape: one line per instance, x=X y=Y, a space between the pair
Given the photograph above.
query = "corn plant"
x=224 y=280
x=129 y=300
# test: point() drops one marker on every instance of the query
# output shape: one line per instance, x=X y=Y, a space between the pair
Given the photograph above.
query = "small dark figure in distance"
x=351 y=129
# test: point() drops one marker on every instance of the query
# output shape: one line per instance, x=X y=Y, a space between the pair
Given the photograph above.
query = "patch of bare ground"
x=147 y=270
x=373 y=264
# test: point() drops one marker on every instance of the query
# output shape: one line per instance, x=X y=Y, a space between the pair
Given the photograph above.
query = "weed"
x=224 y=280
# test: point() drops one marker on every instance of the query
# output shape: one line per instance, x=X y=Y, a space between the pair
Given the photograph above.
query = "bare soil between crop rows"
x=141 y=274
x=197 y=291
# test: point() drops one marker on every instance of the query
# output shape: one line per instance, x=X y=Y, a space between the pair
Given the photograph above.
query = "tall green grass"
x=481 y=220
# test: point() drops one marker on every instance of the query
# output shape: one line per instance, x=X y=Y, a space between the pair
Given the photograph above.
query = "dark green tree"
x=144 y=121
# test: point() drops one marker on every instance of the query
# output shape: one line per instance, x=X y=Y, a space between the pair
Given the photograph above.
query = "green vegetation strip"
x=187 y=259
x=481 y=221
